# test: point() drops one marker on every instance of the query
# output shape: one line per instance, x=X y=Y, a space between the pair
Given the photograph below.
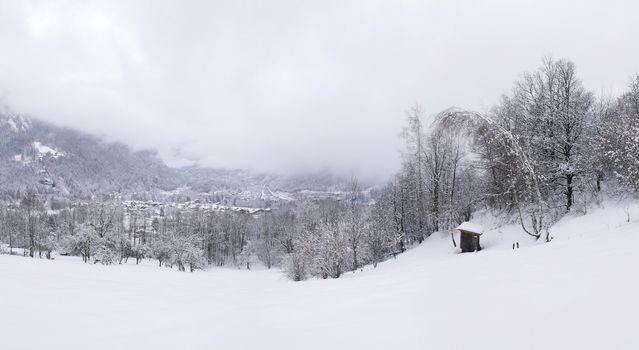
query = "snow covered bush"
x=105 y=254
x=295 y=266
x=161 y=250
x=48 y=244
x=85 y=241
x=194 y=259
x=140 y=251
x=331 y=257
x=185 y=251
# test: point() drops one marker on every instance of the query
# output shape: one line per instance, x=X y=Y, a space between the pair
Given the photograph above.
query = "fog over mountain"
x=63 y=164
x=286 y=86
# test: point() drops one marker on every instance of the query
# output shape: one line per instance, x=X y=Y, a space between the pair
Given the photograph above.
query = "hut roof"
x=471 y=227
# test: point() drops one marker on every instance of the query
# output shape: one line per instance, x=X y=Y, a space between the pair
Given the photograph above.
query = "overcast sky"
x=291 y=85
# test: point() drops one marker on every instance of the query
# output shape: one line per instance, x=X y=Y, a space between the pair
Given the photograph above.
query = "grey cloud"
x=291 y=85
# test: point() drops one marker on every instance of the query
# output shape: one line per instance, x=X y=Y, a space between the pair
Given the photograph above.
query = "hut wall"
x=469 y=242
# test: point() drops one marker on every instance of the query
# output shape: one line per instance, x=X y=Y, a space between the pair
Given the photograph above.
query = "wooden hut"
x=469 y=236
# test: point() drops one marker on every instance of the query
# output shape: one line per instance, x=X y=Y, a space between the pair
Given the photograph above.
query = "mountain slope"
x=65 y=164
x=46 y=159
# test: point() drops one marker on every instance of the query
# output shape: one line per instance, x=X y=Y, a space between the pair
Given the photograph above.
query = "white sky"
x=291 y=85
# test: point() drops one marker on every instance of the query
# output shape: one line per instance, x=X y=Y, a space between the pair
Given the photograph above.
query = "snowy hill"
x=577 y=292
x=52 y=161
x=66 y=164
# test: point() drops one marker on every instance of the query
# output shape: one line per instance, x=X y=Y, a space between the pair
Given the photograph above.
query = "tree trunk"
x=569 y=191
x=355 y=264
x=436 y=205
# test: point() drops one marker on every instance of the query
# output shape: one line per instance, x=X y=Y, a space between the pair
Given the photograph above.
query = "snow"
x=16 y=123
x=44 y=150
x=471 y=227
x=268 y=194
x=577 y=292
x=12 y=124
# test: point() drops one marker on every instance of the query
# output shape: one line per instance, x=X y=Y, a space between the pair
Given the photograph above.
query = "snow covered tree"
x=301 y=247
x=105 y=252
x=355 y=222
x=414 y=167
x=436 y=154
x=85 y=241
x=619 y=139
x=29 y=206
x=161 y=250
x=267 y=246
x=522 y=175
x=295 y=265
x=381 y=234
x=10 y=226
x=48 y=236
x=549 y=113
x=331 y=257
x=140 y=251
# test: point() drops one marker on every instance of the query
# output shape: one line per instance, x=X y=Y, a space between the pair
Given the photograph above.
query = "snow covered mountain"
x=63 y=163
x=46 y=159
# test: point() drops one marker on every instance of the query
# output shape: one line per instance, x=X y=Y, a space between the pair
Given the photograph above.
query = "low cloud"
x=289 y=85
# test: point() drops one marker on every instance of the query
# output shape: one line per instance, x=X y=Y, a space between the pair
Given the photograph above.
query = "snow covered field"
x=577 y=292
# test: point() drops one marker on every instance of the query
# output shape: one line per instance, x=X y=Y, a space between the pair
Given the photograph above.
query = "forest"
x=548 y=148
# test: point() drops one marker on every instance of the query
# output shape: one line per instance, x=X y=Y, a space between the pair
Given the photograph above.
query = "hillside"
x=66 y=164
x=576 y=292
x=46 y=159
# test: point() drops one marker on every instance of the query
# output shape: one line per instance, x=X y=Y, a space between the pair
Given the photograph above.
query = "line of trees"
x=323 y=238
x=545 y=150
